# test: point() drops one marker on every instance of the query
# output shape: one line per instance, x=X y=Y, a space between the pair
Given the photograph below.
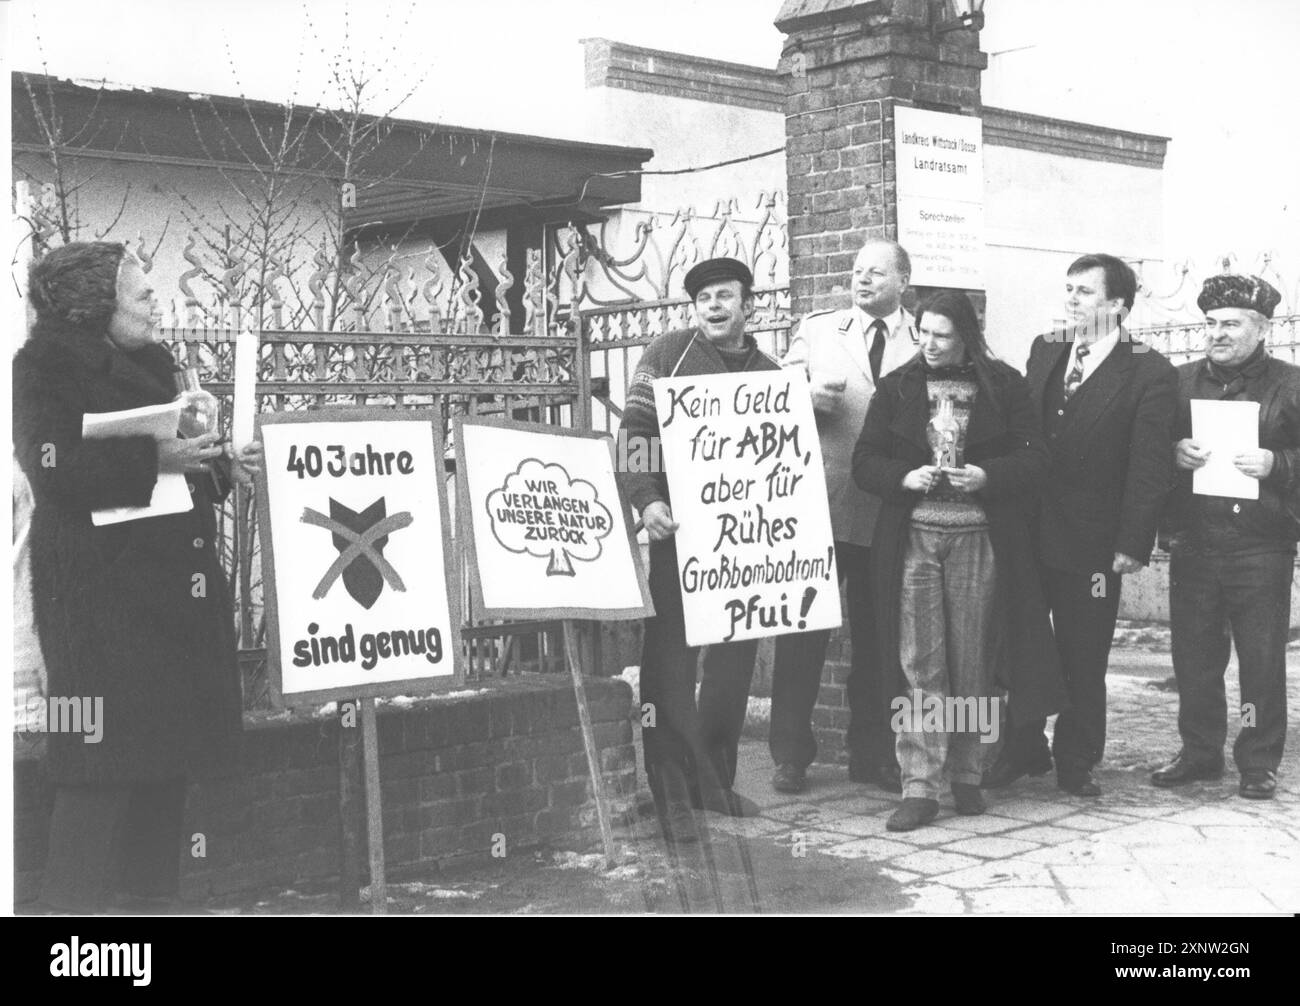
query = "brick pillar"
x=845 y=64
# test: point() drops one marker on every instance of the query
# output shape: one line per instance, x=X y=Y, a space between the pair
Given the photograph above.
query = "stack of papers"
x=171 y=493
x=1225 y=429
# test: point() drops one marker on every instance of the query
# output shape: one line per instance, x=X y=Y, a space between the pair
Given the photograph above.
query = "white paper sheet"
x=1225 y=429
x=171 y=493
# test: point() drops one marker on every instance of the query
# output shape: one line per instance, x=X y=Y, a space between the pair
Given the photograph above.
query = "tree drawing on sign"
x=360 y=538
x=540 y=511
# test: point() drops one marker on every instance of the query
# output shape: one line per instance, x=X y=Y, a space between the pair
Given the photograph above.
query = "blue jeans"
x=945 y=623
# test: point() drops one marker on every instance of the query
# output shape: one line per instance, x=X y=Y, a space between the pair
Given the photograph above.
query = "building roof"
x=413 y=171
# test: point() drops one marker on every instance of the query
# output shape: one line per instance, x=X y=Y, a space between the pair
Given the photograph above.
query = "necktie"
x=877 y=351
x=1075 y=377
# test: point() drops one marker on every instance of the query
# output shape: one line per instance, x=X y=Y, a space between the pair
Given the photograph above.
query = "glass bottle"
x=944 y=435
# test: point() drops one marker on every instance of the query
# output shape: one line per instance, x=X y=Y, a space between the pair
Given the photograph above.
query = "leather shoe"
x=1008 y=768
x=789 y=778
x=727 y=801
x=966 y=796
x=1183 y=770
x=1258 y=784
x=1078 y=783
x=912 y=813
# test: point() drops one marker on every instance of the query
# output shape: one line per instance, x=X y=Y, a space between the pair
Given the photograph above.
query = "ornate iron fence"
x=615 y=336
x=537 y=379
x=1186 y=341
x=622 y=285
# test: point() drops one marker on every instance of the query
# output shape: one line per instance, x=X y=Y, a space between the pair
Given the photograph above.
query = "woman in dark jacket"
x=134 y=620
x=952 y=446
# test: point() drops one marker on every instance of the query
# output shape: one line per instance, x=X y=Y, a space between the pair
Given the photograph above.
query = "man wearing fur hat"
x=1232 y=559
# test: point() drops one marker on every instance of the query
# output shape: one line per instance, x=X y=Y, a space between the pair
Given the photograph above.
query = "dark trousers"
x=109 y=838
x=1084 y=607
x=688 y=745
x=1247 y=597
x=797 y=675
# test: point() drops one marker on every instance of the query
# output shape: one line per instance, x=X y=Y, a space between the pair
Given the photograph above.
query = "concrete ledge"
x=1145 y=596
x=1004 y=128
x=656 y=71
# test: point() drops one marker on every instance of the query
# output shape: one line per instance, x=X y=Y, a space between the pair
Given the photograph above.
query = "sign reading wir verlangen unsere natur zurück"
x=755 y=552
x=550 y=534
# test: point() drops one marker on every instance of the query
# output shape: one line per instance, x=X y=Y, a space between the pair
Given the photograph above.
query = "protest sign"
x=358 y=573
x=549 y=534
x=755 y=551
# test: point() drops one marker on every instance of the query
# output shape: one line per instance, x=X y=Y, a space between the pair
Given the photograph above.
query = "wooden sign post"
x=548 y=535
x=358 y=570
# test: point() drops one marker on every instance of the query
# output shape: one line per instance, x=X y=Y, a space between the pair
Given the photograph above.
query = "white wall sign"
x=549 y=533
x=755 y=551
x=939 y=171
x=355 y=554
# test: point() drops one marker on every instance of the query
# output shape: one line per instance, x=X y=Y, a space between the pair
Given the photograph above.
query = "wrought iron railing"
x=1186 y=341
x=614 y=337
x=537 y=379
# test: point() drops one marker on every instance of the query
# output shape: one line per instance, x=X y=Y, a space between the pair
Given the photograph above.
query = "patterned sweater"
x=945 y=508
x=681 y=353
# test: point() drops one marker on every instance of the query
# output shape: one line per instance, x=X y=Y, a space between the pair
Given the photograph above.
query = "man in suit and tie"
x=844 y=353
x=1107 y=404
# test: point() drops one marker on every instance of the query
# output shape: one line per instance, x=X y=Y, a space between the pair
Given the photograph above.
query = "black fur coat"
x=119 y=609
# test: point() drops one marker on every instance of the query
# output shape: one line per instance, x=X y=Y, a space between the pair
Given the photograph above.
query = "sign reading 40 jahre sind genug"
x=355 y=554
x=549 y=534
x=755 y=551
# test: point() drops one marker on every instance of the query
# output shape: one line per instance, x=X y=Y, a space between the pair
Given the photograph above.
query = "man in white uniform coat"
x=844 y=353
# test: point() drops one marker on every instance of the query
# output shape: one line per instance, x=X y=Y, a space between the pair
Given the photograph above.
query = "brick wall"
x=830 y=717
x=844 y=71
x=655 y=71
x=1005 y=128
x=845 y=66
x=454 y=773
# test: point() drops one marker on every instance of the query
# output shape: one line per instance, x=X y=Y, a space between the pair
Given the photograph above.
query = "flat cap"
x=1249 y=292
x=716 y=270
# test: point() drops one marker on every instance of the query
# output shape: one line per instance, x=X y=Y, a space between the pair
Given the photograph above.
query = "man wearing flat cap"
x=689 y=751
x=1232 y=558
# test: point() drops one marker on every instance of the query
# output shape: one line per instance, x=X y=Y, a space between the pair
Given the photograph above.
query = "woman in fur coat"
x=134 y=619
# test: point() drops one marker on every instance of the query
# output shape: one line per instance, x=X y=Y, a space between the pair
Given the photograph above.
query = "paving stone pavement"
x=1136 y=849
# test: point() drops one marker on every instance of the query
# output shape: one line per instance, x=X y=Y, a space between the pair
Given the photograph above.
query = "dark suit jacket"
x=1112 y=456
